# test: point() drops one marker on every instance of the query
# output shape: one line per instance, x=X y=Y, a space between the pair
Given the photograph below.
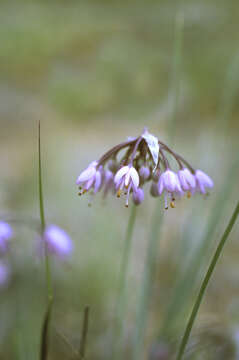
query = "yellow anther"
x=172 y=204
x=189 y=194
x=84 y=191
x=118 y=193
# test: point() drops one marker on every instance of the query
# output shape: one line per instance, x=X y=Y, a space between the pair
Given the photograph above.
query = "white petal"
x=98 y=178
x=120 y=173
x=153 y=145
x=86 y=175
x=204 y=179
x=182 y=179
x=134 y=177
x=190 y=178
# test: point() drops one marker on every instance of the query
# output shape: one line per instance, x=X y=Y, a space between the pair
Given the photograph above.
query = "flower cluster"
x=145 y=159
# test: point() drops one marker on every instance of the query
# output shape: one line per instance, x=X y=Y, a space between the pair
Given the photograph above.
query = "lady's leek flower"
x=145 y=159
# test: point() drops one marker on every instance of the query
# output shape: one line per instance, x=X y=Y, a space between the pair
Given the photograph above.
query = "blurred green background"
x=94 y=73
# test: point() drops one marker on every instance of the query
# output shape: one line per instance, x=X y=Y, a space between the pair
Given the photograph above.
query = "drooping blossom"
x=203 y=181
x=91 y=177
x=6 y=234
x=125 y=179
x=57 y=241
x=187 y=179
x=129 y=166
x=169 y=184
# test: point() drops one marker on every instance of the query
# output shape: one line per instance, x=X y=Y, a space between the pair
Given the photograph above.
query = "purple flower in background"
x=57 y=241
x=4 y=274
x=6 y=234
x=203 y=181
x=139 y=160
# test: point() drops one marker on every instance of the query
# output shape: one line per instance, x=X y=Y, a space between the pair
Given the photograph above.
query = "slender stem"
x=114 y=151
x=84 y=334
x=121 y=294
x=205 y=283
x=42 y=217
x=147 y=284
x=47 y=317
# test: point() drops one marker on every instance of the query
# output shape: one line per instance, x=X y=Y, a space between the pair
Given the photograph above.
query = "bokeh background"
x=94 y=73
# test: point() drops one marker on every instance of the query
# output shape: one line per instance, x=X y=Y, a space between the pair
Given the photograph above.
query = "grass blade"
x=205 y=283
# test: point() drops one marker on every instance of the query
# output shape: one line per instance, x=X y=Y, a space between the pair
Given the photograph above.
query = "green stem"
x=147 y=284
x=46 y=322
x=121 y=294
x=42 y=218
x=205 y=283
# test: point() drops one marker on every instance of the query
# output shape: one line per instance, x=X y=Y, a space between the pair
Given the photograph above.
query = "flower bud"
x=138 y=196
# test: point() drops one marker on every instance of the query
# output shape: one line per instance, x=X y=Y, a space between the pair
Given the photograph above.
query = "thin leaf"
x=205 y=283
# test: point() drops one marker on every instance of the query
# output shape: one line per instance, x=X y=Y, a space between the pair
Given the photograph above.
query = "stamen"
x=84 y=191
x=189 y=194
x=119 y=193
x=172 y=204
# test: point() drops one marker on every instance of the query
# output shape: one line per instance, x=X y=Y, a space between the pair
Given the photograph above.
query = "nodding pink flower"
x=144 y=173
x=4 y=274
x=57 y=241
x=187 y=179
x=6 y=234
x=138 y=196
x=169 y=182
x=126 y=178
x=203 y=181
x=170 y=185
x=91 y=177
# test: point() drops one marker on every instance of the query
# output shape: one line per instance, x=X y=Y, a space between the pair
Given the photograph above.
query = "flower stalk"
x=46 y=322
x=121 y=293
